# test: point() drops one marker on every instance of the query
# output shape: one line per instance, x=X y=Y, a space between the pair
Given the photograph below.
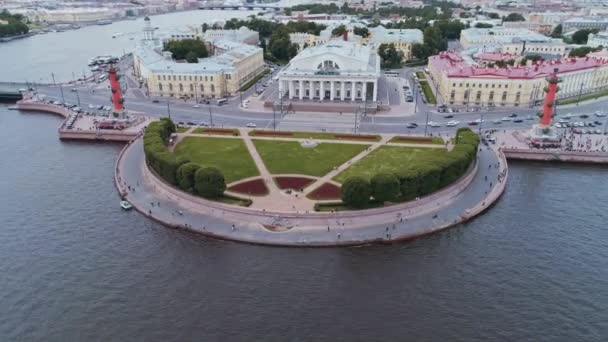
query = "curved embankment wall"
x=561 y=156
x=248 y=215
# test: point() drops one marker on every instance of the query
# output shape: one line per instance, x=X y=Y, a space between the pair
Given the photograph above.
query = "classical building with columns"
x=336 y=71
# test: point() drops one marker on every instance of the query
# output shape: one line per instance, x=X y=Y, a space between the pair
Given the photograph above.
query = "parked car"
x=251 y=125
x=512 y=115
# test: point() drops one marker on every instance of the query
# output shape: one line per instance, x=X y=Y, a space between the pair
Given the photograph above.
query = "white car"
x=245 y=105
x=434 y=124
x=452 y=123
x=480 y=120
x=92 y=106
x=196 y=106
x=569 y=115
x=506 y=118
x=600 y=114
x=251 y=125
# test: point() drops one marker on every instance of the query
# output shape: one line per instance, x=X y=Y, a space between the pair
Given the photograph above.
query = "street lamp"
x=77 y=96
x=169 y=109
x=210 y=116
x=580 y=92
x=426 y=123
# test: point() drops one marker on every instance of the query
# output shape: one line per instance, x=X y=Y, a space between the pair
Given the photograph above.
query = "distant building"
x=590 y=23
x=598 y=39
x=242 y=35
x=70 y=15
x=403 y=39
x=336 y=71
x=513 y=41
x=462 y=82
x=232 y=65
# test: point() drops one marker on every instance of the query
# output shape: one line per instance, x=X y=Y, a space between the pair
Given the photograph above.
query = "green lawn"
x=583 y=98
x=428 y=92
x=182 y=129
x=420 y=75
x=290 y=157
x=319 y=135
x=388 y=159
x=229 y=155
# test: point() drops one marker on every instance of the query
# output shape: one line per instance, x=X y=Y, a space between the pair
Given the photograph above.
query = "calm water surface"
x=76 y=268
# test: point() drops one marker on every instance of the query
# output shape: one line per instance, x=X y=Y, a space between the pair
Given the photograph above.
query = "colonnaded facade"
x=459 y=82
x=335 y=71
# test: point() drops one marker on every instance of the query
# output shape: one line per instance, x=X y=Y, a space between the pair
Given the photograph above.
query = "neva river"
x=75 y=267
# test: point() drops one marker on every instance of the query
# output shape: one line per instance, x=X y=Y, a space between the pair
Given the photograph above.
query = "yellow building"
x=457 y=82
x=233 y=65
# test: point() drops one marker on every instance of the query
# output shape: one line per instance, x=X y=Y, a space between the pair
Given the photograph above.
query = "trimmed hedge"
x=178 y=170
x=423 y=177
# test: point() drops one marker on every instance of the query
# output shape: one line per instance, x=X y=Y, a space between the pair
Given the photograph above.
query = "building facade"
x=402 y=39
x=590 y=23
x=336 y=71
x=458 y=82
x=512 y=41
x=242 y=35
x=233 y=65
x=598 y=39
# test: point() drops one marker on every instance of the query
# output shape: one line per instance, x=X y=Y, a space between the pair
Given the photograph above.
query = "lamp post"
x=53 y=76
x=77 y=96
x=426 y=123
x=169 y=109
x=356 y=119
x=241 y=95
x=62 y=96
x=210 y=116
x=580 y=92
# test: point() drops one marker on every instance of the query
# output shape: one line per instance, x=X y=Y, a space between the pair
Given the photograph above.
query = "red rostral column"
x=549 y=105
x=115 y=87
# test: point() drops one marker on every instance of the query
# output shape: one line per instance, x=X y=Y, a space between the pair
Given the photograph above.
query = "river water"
x=74 y=267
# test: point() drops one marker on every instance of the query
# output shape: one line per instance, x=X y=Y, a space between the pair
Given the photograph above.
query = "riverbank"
x=469 y=196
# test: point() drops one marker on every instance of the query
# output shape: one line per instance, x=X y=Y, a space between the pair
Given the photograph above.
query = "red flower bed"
x=415 y=139
x=356 y=137
x=295 y=183
x=273 y=133
x=254 y=187
x=219 y=130
x=326 y=191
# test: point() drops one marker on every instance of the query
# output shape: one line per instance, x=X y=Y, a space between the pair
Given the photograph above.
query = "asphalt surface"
x=231 y=115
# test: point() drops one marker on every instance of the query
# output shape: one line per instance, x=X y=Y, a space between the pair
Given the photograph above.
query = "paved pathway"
x=345 y=228
x=330 y=175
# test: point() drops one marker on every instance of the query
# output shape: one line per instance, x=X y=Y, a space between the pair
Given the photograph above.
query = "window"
x=202 y=88
x=478 y=95
x=158 y=77
x=190 y=78
x=519 y=86
x=487 y=85
x=211 y=78
x=491 y=98
x=179 y=78
x=205 y=78
x=504 y=95
x=170 y=86
x=174 y=78
x=181 y=87
x=493 y=85
x=191 y=87
x=452 y=95
x=212 y=88
x=160 y=87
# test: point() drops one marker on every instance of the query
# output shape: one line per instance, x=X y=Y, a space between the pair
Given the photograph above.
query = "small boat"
x=126 y=205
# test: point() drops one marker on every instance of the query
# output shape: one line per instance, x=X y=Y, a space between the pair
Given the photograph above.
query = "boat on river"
x=126 y=205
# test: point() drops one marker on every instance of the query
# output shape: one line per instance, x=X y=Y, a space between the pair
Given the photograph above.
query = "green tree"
x=514 y=17
x=391 y=58
x=493 y=15
x=361 y=31
x=185 y=176
x=280 y=45
x=483 y=25
x=338 y=31
x=581 y=36
x=385 y=187
x=356 y=192
x=209 y=182
x=205 y=27
x=582 y=51
x=557 y=31
x=187 y=49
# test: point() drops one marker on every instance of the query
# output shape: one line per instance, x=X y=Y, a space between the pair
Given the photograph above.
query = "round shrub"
x=185 y=176
x=385 y=187
x=408 y=183
x=209 y=182
x=356 y=191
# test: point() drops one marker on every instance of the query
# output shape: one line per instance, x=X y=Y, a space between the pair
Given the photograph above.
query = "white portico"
x=336 y=71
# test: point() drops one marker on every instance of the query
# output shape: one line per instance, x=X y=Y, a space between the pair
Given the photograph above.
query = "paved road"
x=232 y=115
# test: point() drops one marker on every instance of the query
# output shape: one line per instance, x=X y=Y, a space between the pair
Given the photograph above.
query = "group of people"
x=576 y=142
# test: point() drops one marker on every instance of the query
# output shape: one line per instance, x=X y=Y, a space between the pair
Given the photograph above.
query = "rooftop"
x=380 y=34
x=505 y=35
x=454 y=65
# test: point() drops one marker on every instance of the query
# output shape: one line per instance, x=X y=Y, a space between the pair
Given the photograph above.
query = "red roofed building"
x=460 y=81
